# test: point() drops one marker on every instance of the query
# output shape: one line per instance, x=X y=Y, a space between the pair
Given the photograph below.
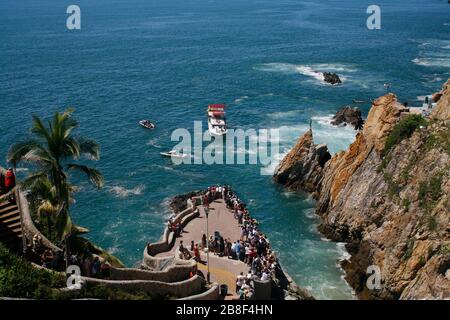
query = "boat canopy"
x=216 y=109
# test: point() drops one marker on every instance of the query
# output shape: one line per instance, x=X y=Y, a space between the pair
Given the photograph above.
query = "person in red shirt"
x=10 y=180
x=196 y=253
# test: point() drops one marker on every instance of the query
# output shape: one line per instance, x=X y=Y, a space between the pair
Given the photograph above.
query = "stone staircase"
x=10 y=226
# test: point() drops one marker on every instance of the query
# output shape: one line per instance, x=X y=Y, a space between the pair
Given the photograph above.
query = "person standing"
x=237 y=248
x=10 y=180
x=203 y=241
x=196 y=253
x=239 y=282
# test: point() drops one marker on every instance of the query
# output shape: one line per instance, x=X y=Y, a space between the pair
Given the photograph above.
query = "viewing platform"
x=222 y=269
x=238 y=248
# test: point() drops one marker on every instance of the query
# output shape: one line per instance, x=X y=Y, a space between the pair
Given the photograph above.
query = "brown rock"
x=301 y=168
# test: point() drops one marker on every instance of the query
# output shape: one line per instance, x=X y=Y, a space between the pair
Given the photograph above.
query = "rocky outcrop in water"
x=348 y=115
x=301 y=168
x=179 y=202
x=392 y=211
x=331 y=78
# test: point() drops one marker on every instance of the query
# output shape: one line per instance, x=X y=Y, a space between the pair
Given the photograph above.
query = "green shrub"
x=409 y=249
x=432 y=223
x=406 y=203
x=19 y=279
x=402 y=130
x=430 y=191
x=435 y=186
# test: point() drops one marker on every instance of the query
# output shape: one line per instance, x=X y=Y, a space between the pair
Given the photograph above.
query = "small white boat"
x=216 y=119
x=173 y=154
x=147 y=124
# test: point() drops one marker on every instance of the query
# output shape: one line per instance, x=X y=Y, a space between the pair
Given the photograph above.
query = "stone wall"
x=29 y=229
x=182 y=289
x=167 y=243
x=263 y=290
x=212 y=293
x=173 y=273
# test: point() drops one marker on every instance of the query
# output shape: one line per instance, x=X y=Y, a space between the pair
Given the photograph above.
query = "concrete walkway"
x=222 y=269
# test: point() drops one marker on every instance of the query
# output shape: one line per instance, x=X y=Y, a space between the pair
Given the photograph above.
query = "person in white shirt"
x=240 y=282
x=265 y=276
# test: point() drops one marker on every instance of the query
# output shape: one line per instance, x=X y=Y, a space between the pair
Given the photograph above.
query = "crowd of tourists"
x=252 y=248
x=90 y=265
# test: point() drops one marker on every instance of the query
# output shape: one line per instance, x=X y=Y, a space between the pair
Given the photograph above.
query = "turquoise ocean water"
x=167 y=60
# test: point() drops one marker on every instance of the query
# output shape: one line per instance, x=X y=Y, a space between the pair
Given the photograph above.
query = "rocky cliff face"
x=301 y=168
x=392 y=211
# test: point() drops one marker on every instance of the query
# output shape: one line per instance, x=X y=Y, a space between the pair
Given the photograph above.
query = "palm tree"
x=51 y=150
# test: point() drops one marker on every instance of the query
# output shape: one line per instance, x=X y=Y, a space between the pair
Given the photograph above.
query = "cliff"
x=301 y=168
x=390 y=206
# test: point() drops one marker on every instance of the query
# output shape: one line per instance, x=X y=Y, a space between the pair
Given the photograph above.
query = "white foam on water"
x=343 y=253
x=239 y=100
x=432 y=62
x=336 y=138
x=154 y=143
x=433 y=53
x=308 y=71
x=310 y=213
x=285 y=115
x=314 y=71
x=122 y=192
x=270 y=169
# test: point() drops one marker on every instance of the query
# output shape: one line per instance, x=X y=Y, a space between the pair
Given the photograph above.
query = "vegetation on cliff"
x=402 y=130
x=20 y=279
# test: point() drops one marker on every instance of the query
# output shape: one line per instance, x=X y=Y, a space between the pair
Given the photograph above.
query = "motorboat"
x=173 y=154
x=216 y=119
x=147 y=124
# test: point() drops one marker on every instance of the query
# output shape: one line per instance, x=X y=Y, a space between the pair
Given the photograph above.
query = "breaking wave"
x=121 y=192
x=314 y=71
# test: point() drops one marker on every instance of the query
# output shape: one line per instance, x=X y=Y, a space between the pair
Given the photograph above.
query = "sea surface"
x=166 y=60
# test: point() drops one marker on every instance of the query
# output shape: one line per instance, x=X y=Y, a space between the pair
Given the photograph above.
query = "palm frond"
x=39 y=128
x=19 y=150
x=40 y=156
x=71 y=148
x=93 y=174
x=47 y=207
x=89 y=148
x=64 y=223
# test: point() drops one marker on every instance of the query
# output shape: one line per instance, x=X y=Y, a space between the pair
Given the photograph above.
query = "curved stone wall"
x=173 y=273
x=167 y=243
x=212 y=293
x=181 y=289
x=29 y=229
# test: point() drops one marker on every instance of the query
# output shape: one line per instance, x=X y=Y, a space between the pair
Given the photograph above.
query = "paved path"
x=222 y=269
